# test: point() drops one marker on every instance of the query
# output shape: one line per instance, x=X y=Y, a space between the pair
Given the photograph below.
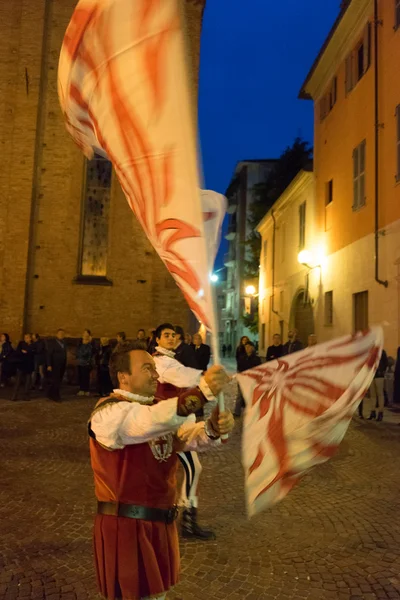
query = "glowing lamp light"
x=305 y=257
x=214 y=278
x=200 y=293
x=250 y=290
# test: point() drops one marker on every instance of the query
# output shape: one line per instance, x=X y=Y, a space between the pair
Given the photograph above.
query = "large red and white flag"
x=124 y=91
x=298 y=409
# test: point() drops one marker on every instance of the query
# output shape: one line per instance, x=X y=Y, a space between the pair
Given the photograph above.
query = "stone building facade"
x=47 y=274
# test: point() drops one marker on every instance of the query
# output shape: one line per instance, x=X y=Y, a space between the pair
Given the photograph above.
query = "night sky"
x=255 y=56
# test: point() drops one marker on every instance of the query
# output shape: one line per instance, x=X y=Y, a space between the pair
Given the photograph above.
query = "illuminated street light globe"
x=214 y=278
x=305 y=257
x=250 y=290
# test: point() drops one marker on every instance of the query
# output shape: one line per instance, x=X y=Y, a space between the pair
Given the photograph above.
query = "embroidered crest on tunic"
x=162 y=447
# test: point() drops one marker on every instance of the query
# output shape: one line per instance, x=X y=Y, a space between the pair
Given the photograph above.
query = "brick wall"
x=39 y=263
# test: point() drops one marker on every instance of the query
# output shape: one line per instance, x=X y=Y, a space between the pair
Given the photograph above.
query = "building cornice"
x=302 y=180
x=337 y=46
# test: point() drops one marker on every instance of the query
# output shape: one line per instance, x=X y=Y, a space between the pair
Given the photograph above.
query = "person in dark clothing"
x=95 y=348
x=229 y=350
x=105 y=386
x=240 y=350
x=85 y=358
x=183 y=352
x=141 y=336
x=293 y=344
x=276 y=350
x=377 y=397
x=6 y=366
x=56 y=364
x=246 y=361
x=151 y=342
x=396 y=389
x=223 y=350
x=25 y=368
x=202 y=352
x=121 y=339
x=39 y=348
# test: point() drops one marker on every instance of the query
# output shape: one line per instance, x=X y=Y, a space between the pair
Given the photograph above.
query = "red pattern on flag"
x=124 y=92
x=298 y=409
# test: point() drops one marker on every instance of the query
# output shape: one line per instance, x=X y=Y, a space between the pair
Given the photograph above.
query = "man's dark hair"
x=161 y=328
x=122 y=335
x=120 y=361
x=249 y=344
x=60 y=329
x=179 y=331
x=139 y=330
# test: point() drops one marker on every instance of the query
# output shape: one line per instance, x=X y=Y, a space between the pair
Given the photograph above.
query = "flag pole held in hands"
x=216 y=354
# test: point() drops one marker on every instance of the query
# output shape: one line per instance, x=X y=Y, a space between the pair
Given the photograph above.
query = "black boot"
x=372 y=415
x=380 y=416
x=190 y=529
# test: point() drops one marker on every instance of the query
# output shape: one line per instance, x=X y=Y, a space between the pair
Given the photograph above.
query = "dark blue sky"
x=255 y=55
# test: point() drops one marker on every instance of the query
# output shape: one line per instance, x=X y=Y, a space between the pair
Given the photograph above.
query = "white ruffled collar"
x=166 y=352
x=134 y=397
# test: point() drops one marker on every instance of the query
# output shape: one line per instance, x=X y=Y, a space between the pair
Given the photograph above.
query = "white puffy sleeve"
x=173 y=372
x=123 y=423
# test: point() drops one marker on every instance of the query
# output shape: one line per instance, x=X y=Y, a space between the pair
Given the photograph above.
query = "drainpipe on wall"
x=377 y=23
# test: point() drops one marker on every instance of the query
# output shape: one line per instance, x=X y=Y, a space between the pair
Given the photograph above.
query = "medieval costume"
x=173 y=377
x=133 y=448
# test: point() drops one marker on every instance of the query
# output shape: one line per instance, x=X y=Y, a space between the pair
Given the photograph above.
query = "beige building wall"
x=344 y=273
x=276 y=301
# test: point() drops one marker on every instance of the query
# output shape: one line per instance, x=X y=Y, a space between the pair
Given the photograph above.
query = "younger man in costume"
x=133 y=448
x=173 y=376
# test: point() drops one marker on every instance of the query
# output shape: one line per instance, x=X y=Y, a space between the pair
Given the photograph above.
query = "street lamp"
x=214 y=277
x=305 y=257
x=250 y=290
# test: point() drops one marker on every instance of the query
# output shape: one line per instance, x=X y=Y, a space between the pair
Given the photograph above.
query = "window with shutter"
x=349 y=73
x=302 y=226
x=397 y=14
x=367 y=48
x=328 y=101
x=333 y=93
x=359 y=156
x=328 y=308
x=265 y=254
x=95 y=220
x=283 y=242
x=398 y=141
x=359 y=60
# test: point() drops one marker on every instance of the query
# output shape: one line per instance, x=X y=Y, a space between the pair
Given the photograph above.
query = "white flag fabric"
x=298 y=409
x=124 y=92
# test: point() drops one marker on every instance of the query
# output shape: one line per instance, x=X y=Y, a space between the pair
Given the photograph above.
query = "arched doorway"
x=302 y=317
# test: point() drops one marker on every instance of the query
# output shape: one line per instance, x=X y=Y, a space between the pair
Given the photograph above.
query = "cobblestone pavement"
x=337 y=535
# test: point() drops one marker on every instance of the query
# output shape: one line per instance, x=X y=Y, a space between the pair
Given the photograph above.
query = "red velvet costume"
x=136 y=558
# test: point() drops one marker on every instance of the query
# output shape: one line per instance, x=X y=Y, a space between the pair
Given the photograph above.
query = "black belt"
x=131 y=511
